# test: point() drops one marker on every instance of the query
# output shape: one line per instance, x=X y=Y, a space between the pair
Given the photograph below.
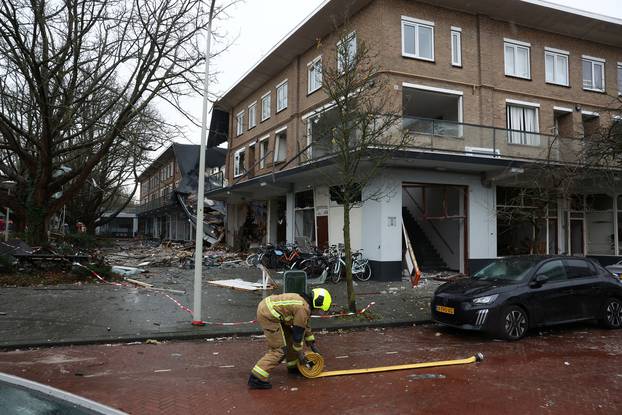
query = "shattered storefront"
x=581 y=224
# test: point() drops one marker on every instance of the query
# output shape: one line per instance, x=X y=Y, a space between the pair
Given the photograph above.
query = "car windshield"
x=506 y=269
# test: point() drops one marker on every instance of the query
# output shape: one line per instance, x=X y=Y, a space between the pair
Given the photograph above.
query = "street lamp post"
x=198 y=251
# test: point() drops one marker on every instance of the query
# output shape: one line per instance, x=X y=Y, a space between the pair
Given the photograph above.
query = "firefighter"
x=284 y=319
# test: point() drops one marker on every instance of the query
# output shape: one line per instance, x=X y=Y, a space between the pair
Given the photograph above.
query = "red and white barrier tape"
x=363 y=310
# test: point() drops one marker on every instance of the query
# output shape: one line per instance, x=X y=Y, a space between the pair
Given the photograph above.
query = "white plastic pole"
x=198 y=252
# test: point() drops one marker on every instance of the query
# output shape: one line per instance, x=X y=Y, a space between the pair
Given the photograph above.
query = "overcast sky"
x=255 y=26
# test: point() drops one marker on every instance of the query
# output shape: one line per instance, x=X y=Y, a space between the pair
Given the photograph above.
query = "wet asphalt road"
x=574 y=370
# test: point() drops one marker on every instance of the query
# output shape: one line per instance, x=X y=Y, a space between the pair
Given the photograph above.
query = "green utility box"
x=295 y=282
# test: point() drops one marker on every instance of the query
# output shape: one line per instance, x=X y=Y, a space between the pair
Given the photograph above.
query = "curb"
x=6 y=346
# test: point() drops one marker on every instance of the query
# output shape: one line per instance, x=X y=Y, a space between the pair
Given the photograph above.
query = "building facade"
x=484 y=90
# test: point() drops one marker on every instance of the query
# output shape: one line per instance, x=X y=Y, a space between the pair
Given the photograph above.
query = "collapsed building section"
x=168 y=195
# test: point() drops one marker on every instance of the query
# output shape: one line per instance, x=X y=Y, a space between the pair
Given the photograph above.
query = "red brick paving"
x=576 y=370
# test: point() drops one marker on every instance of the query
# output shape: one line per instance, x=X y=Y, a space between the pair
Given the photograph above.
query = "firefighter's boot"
x=256 y=383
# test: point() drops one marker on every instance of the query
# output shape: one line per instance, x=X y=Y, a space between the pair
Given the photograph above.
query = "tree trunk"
x=348 y=252
x=37 y=225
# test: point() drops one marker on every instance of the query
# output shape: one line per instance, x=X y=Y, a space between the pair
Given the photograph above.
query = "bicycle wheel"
x=252 y=260
x=365 y=274
x=335 y=272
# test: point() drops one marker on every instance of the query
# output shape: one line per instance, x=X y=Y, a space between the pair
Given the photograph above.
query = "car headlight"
x=489 y=299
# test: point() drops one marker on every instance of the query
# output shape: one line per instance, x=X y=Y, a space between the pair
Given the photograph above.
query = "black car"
x=513 y=294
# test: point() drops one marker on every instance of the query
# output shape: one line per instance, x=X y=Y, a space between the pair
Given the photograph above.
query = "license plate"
x=443 y=309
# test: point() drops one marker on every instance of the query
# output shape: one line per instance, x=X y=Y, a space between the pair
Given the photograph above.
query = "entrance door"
x=576 y=237
x=322 y=232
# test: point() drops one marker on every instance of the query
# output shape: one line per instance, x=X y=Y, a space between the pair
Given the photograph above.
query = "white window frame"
x=456 y=33
x=557 y=53
x=515 y=45
x=523 y=135
x=239 y=120
x=262 y=153
x=313 y=65
x=619 y=75
x=238 y=170
x=277 y=145
x=252 y=115
x=266 y=114
x=594 y=61
x=281 y=102
x=416 y=24
x=351 y=37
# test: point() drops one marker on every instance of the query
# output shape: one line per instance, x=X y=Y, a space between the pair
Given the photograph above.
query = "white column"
x=290 y=217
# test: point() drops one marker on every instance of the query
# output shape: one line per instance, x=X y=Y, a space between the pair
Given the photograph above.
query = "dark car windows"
x=578 y=268
x=506 y=269
x=554 y=270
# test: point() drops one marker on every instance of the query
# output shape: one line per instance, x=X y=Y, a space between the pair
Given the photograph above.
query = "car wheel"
x=613 y=313
x=514 y=323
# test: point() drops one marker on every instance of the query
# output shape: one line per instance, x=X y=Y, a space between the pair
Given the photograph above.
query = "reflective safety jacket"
x=291 y=310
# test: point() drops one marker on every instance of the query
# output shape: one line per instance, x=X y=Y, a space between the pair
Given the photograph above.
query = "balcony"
x=160 y=202
x=483 y=141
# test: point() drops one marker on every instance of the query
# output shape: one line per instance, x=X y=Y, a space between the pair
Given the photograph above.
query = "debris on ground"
x=239 y=284
x=152 y=341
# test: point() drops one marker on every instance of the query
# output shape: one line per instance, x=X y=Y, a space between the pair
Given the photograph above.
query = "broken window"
x=431 y=112
x=320 y=131
x=263 y=152
x=305 y=215
x=238 y=163
x=591 y=123
x=336 y=194
x=280 y=146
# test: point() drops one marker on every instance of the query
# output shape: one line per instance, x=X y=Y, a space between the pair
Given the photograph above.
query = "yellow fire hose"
x=316 y=369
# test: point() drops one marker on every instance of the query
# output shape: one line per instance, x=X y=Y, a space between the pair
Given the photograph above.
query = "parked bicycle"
x=275 y=257
x=360 y=265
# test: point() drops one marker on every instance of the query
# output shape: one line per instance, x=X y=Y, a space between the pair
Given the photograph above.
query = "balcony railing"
x=450 y=137
x=160 y=202
x=215 y=181
x=472 y=139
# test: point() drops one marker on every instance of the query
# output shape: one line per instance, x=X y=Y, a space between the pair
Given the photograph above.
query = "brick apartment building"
x=167 y=182
x=484 y=86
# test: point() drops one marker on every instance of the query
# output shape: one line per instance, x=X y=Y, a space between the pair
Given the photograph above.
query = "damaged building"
x=486 y=89
x=168 y=190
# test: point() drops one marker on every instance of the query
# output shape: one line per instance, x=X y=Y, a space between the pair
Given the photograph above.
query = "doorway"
x=435 y=219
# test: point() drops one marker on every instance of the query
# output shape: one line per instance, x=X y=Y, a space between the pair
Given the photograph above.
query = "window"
x=263 y=152
x=314 y=75
x=432 y=111
x=252 y=115
x=266 y=102
x=593 y=74
x=417 y=39
x=578 y=268
x=556 y=63
x=346 y=53
x=517 y=59
x=239 y=129
x=554 y=270
x=522 y=121
x=238 y=163
x=280 y=146
x=456 y=46
x=619 y=78
x=281 y=96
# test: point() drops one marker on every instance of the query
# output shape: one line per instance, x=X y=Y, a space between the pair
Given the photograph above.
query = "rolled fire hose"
x=315 y=369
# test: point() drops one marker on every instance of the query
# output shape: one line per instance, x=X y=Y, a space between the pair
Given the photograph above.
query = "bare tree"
x=358 y=133
x=66 y=66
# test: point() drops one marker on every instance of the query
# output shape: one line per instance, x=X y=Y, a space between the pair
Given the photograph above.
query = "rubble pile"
x=170 y=254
